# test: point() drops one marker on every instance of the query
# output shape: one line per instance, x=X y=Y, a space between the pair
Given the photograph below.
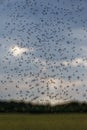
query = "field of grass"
x=43 y=122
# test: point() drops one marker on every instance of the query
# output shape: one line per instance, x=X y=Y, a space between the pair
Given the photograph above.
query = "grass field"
x=43 y=122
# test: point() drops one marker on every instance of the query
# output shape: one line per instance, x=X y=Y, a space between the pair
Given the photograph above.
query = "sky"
x=43 y=50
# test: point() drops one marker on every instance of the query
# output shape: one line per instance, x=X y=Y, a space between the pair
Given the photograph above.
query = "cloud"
x=80 y=33
x=75 y=62
x=58 y=82
x=18 y=51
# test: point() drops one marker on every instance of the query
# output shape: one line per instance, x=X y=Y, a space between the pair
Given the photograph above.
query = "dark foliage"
x=22 y=107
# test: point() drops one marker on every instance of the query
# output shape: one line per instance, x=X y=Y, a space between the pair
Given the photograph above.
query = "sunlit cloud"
x=52 y=82
x=17 y=51
x=75 y=62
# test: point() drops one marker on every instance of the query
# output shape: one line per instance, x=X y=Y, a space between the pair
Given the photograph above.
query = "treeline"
x=22 y=107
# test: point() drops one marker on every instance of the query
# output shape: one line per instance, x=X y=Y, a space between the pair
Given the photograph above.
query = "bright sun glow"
x=17 y=51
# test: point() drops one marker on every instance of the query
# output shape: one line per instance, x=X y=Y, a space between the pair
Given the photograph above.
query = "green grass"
x=43 y=122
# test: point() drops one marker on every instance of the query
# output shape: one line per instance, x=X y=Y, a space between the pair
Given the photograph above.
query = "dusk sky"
x=43 y=50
